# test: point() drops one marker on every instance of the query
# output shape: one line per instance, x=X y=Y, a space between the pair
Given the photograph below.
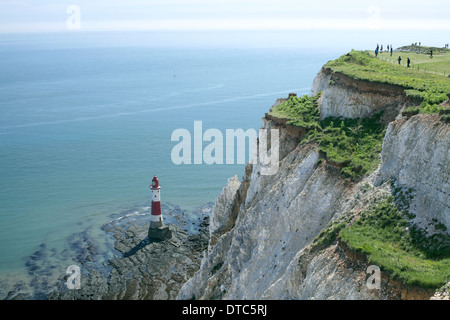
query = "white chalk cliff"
x=262 y=227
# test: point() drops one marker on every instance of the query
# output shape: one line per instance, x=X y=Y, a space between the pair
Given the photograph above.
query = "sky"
x=405 y=18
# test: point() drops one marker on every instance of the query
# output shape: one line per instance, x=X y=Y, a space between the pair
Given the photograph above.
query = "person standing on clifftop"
x=391 y=50
x=431 y=53
x=399 y=59
x=408 y=62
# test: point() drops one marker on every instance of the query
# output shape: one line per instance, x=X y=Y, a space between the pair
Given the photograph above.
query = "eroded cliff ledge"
x=347 y=97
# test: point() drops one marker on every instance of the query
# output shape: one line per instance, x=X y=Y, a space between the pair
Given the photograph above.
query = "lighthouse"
x=156 y=219
x=157 y=230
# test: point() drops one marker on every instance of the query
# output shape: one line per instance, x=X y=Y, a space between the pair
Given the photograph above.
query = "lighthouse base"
x=160 y=233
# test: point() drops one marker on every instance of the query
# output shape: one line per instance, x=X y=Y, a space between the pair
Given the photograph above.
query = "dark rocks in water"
x=124 y=263
x=143 y=268
x=19 y=292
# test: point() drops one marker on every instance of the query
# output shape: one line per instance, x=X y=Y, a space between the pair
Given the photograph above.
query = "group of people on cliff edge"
x=379 y=49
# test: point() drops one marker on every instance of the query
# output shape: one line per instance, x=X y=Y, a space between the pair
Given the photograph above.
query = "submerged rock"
x=142 y=268
x=122 y=263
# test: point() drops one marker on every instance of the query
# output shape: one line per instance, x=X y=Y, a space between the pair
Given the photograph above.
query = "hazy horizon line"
x=234 y=25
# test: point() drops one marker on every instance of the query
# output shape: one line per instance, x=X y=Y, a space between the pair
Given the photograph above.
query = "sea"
x=86 y=121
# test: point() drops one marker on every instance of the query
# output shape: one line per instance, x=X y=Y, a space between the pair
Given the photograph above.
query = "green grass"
x=420 y=59
x=390 y=242
x=300 y=111
x=364 y=66
x=355 y=143
x=429 y=89
x=438 y=65
x=328 y=235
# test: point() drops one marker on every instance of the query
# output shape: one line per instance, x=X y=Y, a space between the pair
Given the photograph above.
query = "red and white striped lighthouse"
x=157 y=229
x=156 y=218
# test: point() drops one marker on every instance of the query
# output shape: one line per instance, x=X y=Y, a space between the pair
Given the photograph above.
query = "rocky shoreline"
x=133 y=267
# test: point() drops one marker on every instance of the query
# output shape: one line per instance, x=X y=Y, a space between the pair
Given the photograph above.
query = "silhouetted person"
x=391 y=50
x=408 y=62
x=399 y=59
x=431 y=53
x=376 y=52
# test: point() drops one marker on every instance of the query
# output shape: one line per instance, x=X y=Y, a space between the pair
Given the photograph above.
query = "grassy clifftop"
x=430 y=89
x=354 y=144
x=421 y=58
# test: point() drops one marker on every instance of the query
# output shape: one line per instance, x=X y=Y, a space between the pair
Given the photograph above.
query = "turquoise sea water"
x=86 y=122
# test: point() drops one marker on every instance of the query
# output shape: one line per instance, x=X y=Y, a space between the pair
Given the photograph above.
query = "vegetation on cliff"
x=428 y=89
x=420 y=57
x=384 y=234
x=352 y=144
x=300 y=111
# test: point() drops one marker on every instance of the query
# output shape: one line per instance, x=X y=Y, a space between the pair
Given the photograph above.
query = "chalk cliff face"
x=350 y=98
x=262 y=228
x=416 y=153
